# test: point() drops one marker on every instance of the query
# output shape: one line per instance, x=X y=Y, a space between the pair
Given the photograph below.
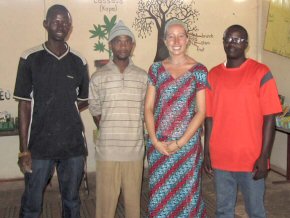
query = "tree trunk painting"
x=156 y=13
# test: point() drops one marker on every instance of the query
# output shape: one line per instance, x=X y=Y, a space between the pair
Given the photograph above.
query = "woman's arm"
x=149 y=120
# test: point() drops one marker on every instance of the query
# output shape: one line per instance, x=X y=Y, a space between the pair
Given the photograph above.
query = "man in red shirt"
x=242 y=101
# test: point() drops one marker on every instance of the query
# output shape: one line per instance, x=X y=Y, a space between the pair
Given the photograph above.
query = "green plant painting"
x=101 y=31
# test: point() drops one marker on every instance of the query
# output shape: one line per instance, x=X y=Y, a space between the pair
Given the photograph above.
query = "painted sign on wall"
x=151 y=17
x=5 y=95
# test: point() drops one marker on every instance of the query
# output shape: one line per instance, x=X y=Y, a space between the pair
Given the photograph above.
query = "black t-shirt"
x=53 y=85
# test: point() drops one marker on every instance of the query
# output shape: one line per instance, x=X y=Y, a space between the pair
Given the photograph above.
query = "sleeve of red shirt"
x=269 y=99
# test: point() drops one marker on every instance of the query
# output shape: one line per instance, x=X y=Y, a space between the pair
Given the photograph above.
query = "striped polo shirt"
x=119 y=99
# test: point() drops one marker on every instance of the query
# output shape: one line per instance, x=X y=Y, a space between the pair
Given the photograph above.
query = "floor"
x=277 y=199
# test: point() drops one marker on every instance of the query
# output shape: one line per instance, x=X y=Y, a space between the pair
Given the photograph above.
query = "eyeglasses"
x=234 y=40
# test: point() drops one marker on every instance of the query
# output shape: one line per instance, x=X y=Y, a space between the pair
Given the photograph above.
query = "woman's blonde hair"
x=174 y=22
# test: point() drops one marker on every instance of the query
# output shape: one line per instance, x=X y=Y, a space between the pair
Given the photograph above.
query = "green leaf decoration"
x=101 y=31
x=100 y=46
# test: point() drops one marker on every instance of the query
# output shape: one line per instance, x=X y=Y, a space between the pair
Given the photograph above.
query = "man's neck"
x=234 y=63
x=121 y=64
x=57 y=48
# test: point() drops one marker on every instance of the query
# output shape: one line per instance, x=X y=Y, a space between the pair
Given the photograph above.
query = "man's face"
x=58 y=25
x=121 y=47
x=235 y=44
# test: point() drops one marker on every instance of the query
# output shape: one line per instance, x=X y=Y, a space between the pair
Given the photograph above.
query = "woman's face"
x=176 y=39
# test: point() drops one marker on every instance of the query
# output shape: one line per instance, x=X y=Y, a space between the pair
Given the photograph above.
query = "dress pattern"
x=175 y=181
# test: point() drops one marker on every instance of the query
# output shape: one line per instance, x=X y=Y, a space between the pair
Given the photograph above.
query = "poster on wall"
x=277 y=39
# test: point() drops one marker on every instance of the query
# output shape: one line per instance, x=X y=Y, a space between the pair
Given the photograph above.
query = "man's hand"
x=25 y=163
x=260 y=170
x=206 y=157
x=207 y=165
x=261 y=165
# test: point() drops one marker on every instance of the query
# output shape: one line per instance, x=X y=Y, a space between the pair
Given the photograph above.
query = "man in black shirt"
x=52 y=86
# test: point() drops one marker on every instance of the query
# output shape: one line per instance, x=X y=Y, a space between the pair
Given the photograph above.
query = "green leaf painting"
x=101 y=32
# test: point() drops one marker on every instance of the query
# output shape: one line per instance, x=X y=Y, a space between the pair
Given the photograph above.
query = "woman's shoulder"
x=156 y=66
x=199 y=67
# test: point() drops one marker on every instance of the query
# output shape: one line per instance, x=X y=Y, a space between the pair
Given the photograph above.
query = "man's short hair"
x=237 y=27
x=53 y=9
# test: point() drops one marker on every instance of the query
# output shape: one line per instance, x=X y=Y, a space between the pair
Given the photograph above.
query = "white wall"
x=20 y=29
x=280 y=68
x=21 y=25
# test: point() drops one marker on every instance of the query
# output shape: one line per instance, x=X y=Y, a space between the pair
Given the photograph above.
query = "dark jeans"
x=69 y=172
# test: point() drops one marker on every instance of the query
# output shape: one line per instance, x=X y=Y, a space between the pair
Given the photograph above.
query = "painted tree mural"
x=155 y=13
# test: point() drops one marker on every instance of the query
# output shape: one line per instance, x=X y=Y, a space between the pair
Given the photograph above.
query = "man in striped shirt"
x=116 y=102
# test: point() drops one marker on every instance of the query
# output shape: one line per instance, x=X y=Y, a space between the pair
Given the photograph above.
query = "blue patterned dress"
x=175 y=181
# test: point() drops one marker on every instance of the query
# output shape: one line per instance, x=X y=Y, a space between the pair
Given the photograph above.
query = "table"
x=9 y=133
x=286 y=131
x=15 y=133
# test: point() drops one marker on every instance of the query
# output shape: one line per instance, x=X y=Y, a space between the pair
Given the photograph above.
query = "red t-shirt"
x=237 y=99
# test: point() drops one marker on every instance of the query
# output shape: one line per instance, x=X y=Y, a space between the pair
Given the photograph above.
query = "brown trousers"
x=111 y=178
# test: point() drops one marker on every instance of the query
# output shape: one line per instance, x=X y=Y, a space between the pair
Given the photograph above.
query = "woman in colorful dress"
x=174 y=113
